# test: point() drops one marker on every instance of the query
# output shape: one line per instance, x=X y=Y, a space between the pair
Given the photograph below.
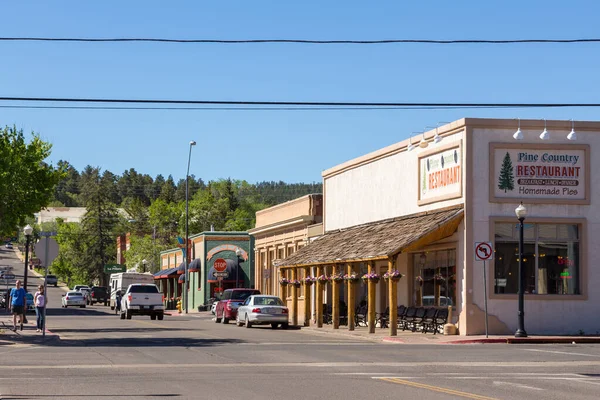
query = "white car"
x=261 y=309
x=73 y=298
x=213 y=308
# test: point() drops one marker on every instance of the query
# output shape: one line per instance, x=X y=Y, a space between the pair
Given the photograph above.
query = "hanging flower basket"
x=284 y=281
x=419 y=280
x=370 y=278
x=309 y=280
x=352 y=278
x=322 y=279
x=336 y=278
x=295 y=283
x=439 y=278
x=394 y=275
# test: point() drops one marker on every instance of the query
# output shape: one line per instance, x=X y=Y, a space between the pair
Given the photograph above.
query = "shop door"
x=435 y=278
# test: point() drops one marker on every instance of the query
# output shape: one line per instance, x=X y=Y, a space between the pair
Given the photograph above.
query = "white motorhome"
x=122 y=280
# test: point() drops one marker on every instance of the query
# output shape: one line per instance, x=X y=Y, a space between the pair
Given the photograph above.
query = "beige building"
x=423 y=204
x=67 y=214
x=280 y=231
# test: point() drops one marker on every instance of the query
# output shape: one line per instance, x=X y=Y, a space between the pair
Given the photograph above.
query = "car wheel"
x=153 y=317
x=285 y=325
x=105 y=304
x=274 y=325
x=55 y=285
x=224 y=320
x=122 y=316
x=248 y=323
x=160 y=316
x=66 y=306
x=217 y=319
x=83 y=306
x=128 y=314
x=237 y=320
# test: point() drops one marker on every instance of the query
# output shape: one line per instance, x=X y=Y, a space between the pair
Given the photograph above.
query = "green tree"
x=506 y=180
x=26 y=181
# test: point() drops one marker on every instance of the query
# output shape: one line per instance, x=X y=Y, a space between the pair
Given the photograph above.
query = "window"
x=550 y=258
x=435 y=278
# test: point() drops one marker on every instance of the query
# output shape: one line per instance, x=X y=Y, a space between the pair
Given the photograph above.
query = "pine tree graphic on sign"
x=506 y=180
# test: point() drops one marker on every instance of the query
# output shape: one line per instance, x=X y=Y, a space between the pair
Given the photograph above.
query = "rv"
x=122 y=280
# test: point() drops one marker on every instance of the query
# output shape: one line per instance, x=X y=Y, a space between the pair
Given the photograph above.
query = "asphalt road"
x=190 y=357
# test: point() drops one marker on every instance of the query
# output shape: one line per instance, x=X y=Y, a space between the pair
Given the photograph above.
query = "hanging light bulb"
x=423 y=143
x=545 y=135
x=572 y=135
x=518 y=135
x=437 y=138
x=410 y=146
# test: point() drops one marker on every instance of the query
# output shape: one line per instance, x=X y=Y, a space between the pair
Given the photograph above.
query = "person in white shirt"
x=39 y=300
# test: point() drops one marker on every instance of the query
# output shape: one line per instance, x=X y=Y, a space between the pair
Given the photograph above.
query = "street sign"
x=484 y=251
x=40 y=249
x=217 y=274
x=8 y=277
x=114 y=268
x=48 y=234
x=220 y=265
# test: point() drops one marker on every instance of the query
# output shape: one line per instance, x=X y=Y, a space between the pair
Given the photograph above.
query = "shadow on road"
x=128 y=395
x=144 y=329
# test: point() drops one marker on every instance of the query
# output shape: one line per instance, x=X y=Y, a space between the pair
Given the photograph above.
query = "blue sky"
x=293 y=146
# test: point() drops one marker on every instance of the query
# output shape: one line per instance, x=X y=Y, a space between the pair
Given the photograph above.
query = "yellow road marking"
x=437 y=389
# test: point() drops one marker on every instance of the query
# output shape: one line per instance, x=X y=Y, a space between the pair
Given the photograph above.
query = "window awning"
x=377 y=240
x=181 y=268
x=165 y=273
x=195 y=265
x=232 y=269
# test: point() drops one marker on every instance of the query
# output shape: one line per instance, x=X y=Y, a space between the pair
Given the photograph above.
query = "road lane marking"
x=563 y=352
x=306 y=344
x=438 y=389
x=519 y=385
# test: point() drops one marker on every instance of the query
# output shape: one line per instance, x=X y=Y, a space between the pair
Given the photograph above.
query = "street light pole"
x=521 y=212
x=28 y=230
x=185 y=256
x=144 y=262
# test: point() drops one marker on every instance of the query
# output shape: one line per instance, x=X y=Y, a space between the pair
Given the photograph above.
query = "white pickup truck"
x=142 y=299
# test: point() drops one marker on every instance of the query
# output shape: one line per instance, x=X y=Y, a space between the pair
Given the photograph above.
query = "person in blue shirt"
x=17 y=304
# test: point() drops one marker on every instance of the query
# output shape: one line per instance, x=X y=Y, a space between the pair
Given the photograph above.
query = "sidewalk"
x=416 y=338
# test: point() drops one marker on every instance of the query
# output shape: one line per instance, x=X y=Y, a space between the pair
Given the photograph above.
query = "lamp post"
x=521 y=212
x=185 y=281
x=28 y=230
x=238 y=254
x=144 y=262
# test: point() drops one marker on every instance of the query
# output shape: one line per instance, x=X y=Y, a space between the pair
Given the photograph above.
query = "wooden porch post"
x=335 y=299
x=319 y=299
x=307 y=302
x=294 y=298
x=282 y=287
x=371 y=299
x=393 y=302
x=351 y=290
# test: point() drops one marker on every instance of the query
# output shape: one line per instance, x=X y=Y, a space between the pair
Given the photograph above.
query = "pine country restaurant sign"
x=440 y=174
x=539 y=173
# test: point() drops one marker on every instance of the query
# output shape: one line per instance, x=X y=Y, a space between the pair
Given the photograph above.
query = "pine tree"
x=506 y=180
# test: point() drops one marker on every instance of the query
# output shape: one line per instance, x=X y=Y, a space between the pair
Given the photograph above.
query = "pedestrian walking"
x=18 y=303
x=39 y=299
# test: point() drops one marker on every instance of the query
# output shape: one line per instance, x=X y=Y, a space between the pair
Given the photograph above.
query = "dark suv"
x=99 y=294
x=230 y=301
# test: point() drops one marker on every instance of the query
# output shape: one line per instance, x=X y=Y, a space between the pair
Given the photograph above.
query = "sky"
x=292 y=146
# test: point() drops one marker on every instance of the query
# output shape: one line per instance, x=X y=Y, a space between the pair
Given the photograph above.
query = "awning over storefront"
x=181 y=278
x=195 y=265
x=378 y=240
x=231 y=270
x=181 y=268
x=166 y=273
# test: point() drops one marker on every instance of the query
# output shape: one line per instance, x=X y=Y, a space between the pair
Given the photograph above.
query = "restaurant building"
x=420 y=206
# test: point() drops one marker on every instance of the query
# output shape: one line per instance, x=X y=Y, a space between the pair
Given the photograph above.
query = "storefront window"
x=550 y=258
x=435 y=278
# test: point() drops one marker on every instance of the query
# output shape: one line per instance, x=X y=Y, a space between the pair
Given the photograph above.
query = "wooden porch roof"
x=377 y=240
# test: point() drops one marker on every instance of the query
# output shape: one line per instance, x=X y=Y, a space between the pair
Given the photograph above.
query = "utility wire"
x=301 y=41
x=235 y=108
x=292 y=103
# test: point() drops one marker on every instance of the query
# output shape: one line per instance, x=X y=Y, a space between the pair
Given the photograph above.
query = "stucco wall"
x=384 y=188
x=290 y=209
x=542 y=316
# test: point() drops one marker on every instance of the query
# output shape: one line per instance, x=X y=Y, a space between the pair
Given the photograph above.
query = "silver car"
x=261 y=309
x=73 y=299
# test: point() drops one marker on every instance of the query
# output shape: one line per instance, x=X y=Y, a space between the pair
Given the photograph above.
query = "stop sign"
x=220 y=265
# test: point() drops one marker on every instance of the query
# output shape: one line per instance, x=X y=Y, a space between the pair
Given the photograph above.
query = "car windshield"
x=51 y=276
x=74 y=294
x=267 y=301
x=241 y=294
x=143 y=289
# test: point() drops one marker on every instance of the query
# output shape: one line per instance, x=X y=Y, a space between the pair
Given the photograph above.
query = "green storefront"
x=234 y=256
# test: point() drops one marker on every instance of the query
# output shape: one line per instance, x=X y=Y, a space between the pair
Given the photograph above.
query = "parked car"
x=9 y=245
x=73 y=298
x=231 y=299
x=79 y=287
x=51 y=280
x=29 y=298
x=262 y=310
x=213 y=308
x=142 y=299
x=98 y=294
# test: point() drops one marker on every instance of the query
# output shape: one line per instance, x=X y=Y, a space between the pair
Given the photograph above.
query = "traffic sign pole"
x=485 y=298
x=484 y=252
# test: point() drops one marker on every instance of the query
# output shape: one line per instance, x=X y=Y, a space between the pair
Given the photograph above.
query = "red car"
x=229 y=303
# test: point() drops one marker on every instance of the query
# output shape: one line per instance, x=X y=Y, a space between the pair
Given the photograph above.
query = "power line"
x=293 y=103
x=301 y=41
x=239 y=108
